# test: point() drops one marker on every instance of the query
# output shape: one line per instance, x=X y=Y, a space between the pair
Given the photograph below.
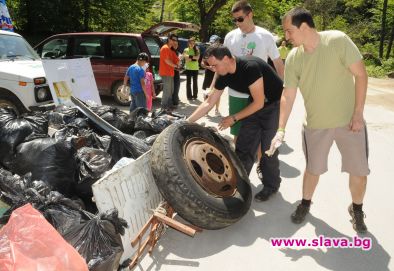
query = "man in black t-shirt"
x=259 y=120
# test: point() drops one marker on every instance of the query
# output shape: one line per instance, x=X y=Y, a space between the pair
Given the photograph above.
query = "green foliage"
x=360 y=19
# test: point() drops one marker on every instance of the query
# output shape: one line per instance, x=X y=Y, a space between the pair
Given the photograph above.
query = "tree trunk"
x=390 y=42
x=163 y=3
x=383 y=29
x=86 y=15
x=207 y=17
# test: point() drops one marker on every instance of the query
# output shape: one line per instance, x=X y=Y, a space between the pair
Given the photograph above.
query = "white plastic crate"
x=132 y=190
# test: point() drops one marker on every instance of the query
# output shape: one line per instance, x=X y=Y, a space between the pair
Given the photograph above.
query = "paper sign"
x=68 y=77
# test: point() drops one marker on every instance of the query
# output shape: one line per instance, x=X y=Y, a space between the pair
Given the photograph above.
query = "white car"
x=22 y=78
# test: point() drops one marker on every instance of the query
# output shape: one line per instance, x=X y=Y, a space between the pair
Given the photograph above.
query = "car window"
x=55 y=48
x=89 y=46
x=12 y=47
x=124 y=47
x=153 y=46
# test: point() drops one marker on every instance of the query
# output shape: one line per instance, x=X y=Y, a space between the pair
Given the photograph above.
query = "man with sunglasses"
x=168 y=61
x=253 y=76
x=250 y=39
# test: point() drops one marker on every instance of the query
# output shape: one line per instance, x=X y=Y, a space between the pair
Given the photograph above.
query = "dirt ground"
x=381 y=92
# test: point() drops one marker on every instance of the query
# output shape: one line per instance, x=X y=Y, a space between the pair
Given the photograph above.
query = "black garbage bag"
x=115 y=117
x=49 y=160
x=62 y=115
x=14 y=185
x=17 y=190
x=123 y=145
x=61 y=212
x=139 y=111
x=17 y=129
x=142 y=134
x=92 y=164
x=98 y=240
x=150 y=139
x=93 y=140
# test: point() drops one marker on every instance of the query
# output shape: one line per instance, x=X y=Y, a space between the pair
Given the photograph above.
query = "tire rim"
x=210 y=168
x=121 y=97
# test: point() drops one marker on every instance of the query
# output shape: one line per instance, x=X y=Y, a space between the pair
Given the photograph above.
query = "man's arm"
x=279 y=67
x=142 y=80
x=361 y=84
x=286 y=105
x=257 y=103
x=125 y=80
x=207 y=105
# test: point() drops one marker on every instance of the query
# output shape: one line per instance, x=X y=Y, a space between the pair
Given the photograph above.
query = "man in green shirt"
x=328 y=69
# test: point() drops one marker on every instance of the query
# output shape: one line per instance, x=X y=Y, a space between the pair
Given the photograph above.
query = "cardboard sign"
x=68 y=77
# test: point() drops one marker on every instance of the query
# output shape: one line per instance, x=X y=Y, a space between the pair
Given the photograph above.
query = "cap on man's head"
x=214 y=38
x=143 y=57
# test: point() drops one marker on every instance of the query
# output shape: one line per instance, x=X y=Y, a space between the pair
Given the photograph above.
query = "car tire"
x=118 y=96
x=200 y=176
x=13 y=102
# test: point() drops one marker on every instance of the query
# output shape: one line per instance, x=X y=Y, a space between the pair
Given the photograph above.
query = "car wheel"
x=119 y=97
x=13 y=103
x=200 y=176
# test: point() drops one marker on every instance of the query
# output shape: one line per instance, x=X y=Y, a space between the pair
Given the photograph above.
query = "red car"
x=112 y=53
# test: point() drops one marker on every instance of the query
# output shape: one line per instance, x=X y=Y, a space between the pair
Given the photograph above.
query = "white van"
x=22 y=78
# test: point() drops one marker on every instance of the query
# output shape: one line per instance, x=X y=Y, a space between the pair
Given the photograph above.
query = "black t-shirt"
x=248 y=70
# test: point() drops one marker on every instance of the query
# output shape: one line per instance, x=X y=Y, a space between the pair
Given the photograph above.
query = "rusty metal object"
x=211 y=169
x=161 y=218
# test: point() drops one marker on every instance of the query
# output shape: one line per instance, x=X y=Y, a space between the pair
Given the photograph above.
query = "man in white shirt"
x=250 y=39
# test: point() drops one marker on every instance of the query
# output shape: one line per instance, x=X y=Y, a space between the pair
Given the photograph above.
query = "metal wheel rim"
x=121 y=97
x=211 y=169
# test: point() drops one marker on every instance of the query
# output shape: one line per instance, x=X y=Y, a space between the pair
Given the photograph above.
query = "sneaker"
x=259 y=172
x=264 y=194
x=357 y=220
x=299 y=214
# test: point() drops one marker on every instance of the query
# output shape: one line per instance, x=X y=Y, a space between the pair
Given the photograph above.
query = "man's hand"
x=226 y=122
x=357 y=122
x=276 y=142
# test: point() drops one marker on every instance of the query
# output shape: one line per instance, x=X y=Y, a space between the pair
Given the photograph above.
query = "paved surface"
x=246 y=246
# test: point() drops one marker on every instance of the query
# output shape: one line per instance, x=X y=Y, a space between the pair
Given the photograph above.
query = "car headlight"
x=42 y=93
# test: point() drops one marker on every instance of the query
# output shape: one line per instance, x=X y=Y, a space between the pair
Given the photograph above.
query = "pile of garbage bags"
x=49 y=160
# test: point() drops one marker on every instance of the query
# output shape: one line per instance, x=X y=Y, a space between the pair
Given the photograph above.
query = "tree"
x=383 y=29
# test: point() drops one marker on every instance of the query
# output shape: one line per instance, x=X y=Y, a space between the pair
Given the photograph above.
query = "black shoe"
x=357 y=220
x=259 y=172
x=264 y=194
x=299 y=214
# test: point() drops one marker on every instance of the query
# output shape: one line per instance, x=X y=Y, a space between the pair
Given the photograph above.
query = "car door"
x=54 y=47
x=124 y=50
x=93 y=46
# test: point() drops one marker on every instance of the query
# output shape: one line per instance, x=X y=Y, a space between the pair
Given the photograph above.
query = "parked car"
x=22 y=78
x=112 y=53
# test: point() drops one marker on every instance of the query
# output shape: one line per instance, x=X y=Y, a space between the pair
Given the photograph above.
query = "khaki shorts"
x=353 y=147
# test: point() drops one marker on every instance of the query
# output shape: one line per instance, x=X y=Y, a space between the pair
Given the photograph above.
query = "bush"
x=379 y=71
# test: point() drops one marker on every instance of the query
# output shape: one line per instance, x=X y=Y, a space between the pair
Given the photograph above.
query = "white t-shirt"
x=260 y=43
